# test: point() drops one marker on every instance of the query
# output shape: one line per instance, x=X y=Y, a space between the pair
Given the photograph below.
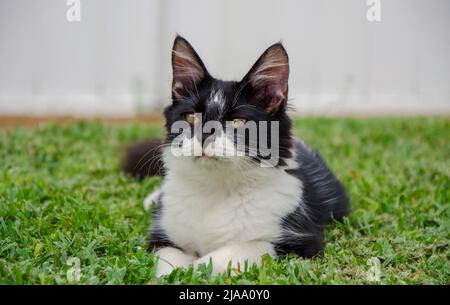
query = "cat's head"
x=230 y=120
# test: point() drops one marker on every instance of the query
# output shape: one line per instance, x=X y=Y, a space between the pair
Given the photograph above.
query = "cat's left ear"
x=268 y=78
x=188 y=69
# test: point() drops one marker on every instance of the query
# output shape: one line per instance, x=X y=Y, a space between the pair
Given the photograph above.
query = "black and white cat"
x=230 y=208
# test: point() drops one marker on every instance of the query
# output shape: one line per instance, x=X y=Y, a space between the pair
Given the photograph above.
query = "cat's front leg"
x=238 y=253
x=171 y=258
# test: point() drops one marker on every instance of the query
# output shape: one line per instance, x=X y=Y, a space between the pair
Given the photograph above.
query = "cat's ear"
x=268 y=78
x=188 y=69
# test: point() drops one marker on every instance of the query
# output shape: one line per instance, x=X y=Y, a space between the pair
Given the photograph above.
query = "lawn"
x=69 y=215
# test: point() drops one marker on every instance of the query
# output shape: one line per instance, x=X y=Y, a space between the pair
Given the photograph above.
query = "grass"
x=64 y=201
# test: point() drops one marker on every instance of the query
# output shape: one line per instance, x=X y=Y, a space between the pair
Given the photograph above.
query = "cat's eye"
x=191 y=118
x=238 y=123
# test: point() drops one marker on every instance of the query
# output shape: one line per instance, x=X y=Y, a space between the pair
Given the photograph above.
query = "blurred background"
x=116 y=60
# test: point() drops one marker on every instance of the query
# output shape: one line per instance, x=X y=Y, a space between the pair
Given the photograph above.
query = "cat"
x=233 y=209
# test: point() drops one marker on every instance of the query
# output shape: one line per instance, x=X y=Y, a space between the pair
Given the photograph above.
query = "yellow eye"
x=191 y=118
x=238 y=123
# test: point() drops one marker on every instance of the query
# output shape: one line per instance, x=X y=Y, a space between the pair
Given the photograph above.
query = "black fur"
x=324 y=199
x=143 y=159
x=158 y=238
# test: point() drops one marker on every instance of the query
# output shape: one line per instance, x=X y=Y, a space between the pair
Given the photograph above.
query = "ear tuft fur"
x=188 y=69
x=269 y=78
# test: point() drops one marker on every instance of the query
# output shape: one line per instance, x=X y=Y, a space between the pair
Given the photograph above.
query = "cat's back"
x=323 y=198
x=321 y=188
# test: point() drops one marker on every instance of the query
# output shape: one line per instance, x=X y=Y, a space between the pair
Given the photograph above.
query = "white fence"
x=116 y=60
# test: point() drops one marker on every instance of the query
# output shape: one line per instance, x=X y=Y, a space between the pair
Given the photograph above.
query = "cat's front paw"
x=170 y=258
x=219 y=262
x=164 y=269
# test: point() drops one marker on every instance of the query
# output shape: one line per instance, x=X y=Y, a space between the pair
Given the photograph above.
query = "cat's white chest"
x=203 y=215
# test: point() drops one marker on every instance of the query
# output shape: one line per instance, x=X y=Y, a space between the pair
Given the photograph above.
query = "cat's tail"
x=143 y=159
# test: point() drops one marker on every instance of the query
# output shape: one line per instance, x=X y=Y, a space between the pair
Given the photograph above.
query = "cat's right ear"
x=188 y=69
x=268 y=78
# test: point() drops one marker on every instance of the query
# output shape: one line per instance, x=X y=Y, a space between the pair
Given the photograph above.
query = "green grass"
x=62 y=196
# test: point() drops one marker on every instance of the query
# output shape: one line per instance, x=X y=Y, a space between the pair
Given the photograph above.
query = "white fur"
x=170 y=258
x=226 y=209
x=238 y=254
x=151 y=198
x=217 y=97
x=265 y=71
